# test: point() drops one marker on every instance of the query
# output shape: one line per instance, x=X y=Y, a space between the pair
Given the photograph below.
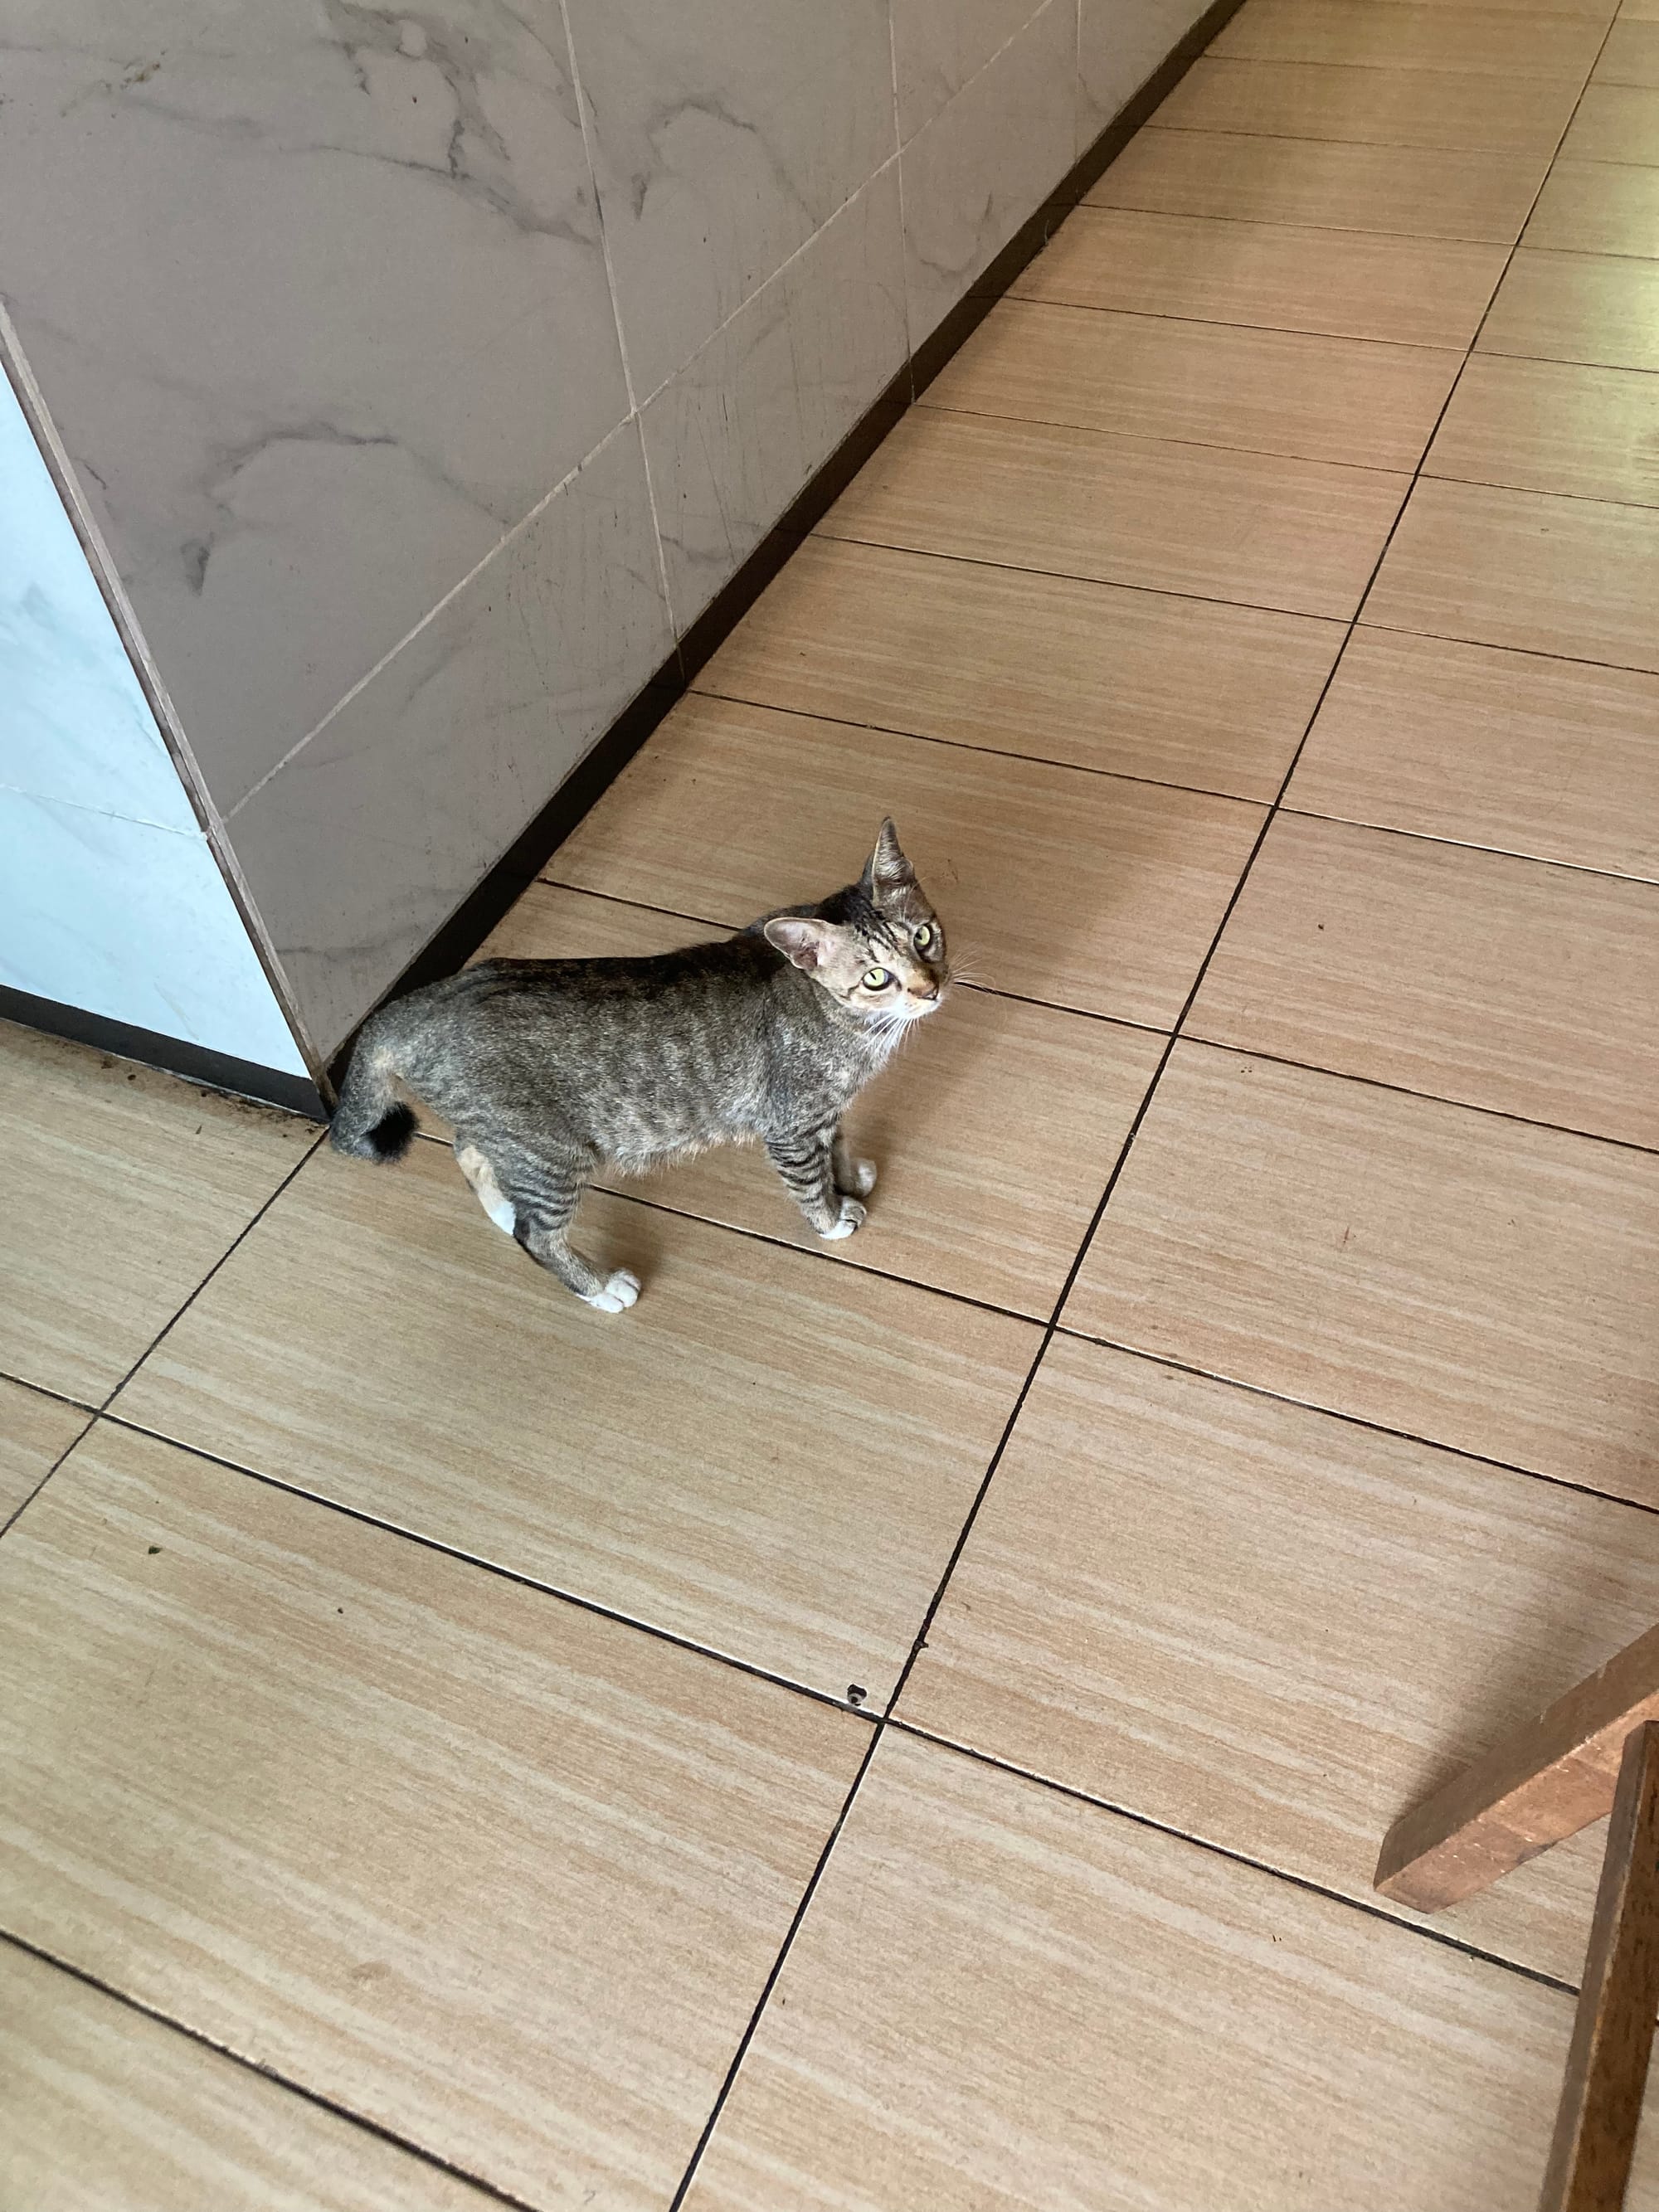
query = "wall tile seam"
x=990 y=63
x=633 y=415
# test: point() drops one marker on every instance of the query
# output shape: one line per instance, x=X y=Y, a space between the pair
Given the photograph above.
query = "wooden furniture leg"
x=1547 y=1781
x=1607 y=2073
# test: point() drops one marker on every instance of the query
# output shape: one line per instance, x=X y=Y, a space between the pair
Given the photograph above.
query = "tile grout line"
x=889 y=1714
x=100 y=1410
x=315 y=2097
x=518 y=1577
x=1073 y=1795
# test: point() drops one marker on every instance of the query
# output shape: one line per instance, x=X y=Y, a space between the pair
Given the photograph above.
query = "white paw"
x=618 y=1294
x=851 y=1215
x=864 y=1176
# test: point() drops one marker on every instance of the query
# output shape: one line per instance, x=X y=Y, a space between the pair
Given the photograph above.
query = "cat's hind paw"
x=616 y=1293
x=863 y=1174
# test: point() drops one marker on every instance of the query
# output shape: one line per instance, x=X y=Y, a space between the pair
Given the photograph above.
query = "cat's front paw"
x=852 y=1216
x=862 y=1174
x=616 y=1293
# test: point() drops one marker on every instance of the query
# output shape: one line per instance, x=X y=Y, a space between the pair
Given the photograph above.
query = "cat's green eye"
x=877 y=979
x=927 y=937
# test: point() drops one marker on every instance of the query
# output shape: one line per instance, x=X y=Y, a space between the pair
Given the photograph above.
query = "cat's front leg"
x=805 y=1162
x=855 y=1178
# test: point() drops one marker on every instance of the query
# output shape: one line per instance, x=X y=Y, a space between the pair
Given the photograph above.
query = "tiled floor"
x=637 y=1761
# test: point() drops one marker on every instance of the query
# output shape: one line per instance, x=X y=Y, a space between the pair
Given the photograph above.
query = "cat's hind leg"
x=853 y=1177
x=805 y=1162
x=543 y=1190
x=485 y=1188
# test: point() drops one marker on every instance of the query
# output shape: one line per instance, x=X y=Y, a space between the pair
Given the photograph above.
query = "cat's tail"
x=370 y=1122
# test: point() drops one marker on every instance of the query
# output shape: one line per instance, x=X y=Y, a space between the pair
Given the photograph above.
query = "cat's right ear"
x=799 y=939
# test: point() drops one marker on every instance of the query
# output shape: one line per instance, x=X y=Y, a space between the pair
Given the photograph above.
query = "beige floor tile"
x=1471 y=976
x=1275 y=1630
x=1614 y=123
x=119 y=1188
x=1600 y=308
x=376 y=1341
x=1429 y=108
x=1599 y=207
x=1086 y=891
x=1188 y=691
x=1481 y=1282
x=508 y=1875
x=1005 y=1999
x=1300 y=536
x=1639 y=11
x=1215 y=384
x=1354 y=284
x=34 y=1432
x=994 y=1132
x=1555 y=758
x=1579 y=577
x=1418 y=192
x=1552 y=426
x=1482 y=41
x=1630 y=55
x=106 y=2108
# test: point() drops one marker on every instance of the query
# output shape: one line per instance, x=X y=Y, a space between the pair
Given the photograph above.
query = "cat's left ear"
x=887 y=869
x=801 y=938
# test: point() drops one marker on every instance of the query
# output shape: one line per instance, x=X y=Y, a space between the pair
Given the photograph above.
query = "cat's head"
x=877 y=947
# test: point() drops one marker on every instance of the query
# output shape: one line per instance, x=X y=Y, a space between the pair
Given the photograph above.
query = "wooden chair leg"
x=1606 y=2072
x=1550 y=1779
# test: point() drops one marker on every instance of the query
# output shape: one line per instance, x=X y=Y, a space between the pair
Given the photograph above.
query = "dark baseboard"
x=214 y=1071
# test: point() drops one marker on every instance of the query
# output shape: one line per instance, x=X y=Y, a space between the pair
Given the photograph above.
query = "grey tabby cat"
x=549 y=1070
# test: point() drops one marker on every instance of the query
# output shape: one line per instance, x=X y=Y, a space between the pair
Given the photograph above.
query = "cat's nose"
x=929 y=995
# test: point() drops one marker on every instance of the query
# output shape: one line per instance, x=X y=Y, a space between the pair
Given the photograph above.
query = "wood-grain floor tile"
x=1417 y=192
x=1471 y=975
x=1354 y=284
x=1086 y=891
x=107 y=2108
x=1552 y=426
x=1578 y=577
x=1614 y=123
x=1434 y=109
x=1630 y=55
x=34 y=1432
x=504 y=1875
x=1275 y=1630
x=1214 y=383
x=1483 y=1283
x=1599 y=207
x=1005 y=1999
x=1189 y=691
x=119 y=1188
x=1556 y=758
x=994 y=1133
x=377 y=1342
x=1481 y=41
x=1300 y=536
x=1600 y=308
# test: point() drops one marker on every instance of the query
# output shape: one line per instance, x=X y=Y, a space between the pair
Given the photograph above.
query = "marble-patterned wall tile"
x=724 y=133
x=986 y=162
x=133 y=922
x=738 y=431
x=74 y=723
x=1120 y=43
x=366 y=842
x=939 y=45
x=317 y=296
